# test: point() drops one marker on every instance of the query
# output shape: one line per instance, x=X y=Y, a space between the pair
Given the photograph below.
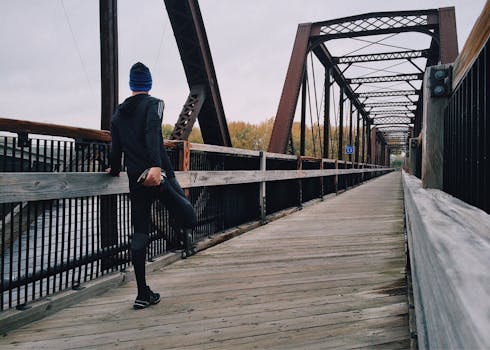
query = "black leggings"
x=181 y=212
x=171 y=194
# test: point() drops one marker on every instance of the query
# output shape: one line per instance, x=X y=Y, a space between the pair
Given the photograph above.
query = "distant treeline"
x=257 y=136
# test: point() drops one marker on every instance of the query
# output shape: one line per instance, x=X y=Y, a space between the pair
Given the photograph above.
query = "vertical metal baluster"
x=19 y=251
x=119 y=224
x=62 y=259
x=11 y=257
x=97 y=246
x=80 y=245
x=34 y=258
x=92 y=230
x=5 y=146
x=50 y=244
x=43 y=241
x=87 y=229
x=56 y=244
x=2 y=256
x=28 y=238
x=75 y=230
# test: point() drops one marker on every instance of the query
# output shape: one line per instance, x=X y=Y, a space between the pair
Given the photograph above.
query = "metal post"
x=326 y=116
x=363 y=135
x=356 y=143
x=341 y=125
x=303 y=115
x=368 y=141
x=108 y=61
x=262 y=195
x=350 y=129
x=109 y=101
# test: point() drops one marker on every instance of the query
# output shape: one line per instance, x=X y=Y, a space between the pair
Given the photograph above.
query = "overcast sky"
x=50 y=56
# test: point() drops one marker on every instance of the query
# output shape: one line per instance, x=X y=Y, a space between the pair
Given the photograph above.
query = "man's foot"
x=189 y=248
x=143 y=301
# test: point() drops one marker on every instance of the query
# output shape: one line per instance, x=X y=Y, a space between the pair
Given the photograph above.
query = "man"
x=136 y=131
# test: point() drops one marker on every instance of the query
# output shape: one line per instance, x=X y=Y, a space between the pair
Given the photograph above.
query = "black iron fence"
x=55 y=244
x=467 y=136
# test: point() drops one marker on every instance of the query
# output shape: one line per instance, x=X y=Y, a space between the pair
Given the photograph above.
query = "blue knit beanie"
x=139 y=77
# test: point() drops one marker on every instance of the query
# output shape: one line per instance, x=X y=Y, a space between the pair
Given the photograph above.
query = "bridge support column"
x=433 y=126
x=413 y=156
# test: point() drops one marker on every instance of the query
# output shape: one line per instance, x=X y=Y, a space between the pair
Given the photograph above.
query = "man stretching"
x=136 y=129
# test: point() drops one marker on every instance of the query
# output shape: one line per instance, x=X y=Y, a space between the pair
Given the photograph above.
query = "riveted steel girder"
x=382 y=56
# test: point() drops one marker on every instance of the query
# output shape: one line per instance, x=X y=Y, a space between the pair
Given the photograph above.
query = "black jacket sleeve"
x=153 y=132
x=116 y=151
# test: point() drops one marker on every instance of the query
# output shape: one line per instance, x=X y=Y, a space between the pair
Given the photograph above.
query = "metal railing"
x=467 y=135
x=63 y=222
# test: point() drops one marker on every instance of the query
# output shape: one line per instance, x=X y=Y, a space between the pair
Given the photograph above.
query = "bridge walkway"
x=329 y=276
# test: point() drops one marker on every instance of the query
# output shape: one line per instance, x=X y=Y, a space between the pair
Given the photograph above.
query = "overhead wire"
x=371 y=43
x=162 y=37
x=383 y=44
x=84 y=68
x=316 y=102
x=311 y=114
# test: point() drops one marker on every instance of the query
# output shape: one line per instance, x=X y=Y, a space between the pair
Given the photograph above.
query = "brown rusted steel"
x=108 y=61
x=28 y=127
x=448 y=39
x=326 y=115
x=189 y=113
x=190 y=34
x=438 y=24
x=290 y=92
x=340 y=151
x=302 y=147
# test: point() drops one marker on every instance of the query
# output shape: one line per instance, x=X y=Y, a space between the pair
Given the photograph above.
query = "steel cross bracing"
x=393 y=120
x=385 y=78
x=388 y=93
x=373 y=114
x=439 y=24
x=384 y=56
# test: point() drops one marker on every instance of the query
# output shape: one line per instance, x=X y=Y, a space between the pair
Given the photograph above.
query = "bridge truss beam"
x=439 y=24
x=382 y=56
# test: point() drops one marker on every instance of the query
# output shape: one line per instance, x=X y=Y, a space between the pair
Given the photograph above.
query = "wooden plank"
x=222 y=149
x=306 y=281
x=23 y=187
x=449 y=244
x=474 y=44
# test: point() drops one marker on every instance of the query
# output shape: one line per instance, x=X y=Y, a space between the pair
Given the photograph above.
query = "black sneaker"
x=150 y=298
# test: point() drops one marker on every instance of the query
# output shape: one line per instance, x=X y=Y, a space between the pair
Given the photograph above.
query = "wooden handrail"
x=23 y=187
x=29 y=127
x=476 y=41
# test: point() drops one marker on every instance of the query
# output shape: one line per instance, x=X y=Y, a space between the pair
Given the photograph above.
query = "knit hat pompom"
x=139 y=77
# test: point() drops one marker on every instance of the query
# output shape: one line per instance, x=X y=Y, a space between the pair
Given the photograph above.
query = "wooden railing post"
x=184 y=160
x=262 y=189
x=433 y=130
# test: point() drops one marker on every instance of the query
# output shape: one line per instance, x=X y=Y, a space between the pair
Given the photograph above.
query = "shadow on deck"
x=329 y=276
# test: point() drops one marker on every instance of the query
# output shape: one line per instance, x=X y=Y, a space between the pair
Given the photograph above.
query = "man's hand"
x=108 y=171
x=153 y=178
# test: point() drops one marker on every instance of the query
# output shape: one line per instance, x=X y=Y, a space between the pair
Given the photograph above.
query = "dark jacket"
x=136 y=129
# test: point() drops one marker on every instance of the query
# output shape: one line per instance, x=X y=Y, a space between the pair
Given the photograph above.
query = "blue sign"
x=349 y=149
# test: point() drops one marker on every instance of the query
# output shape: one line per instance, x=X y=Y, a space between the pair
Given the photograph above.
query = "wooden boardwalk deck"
x=329 y=276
